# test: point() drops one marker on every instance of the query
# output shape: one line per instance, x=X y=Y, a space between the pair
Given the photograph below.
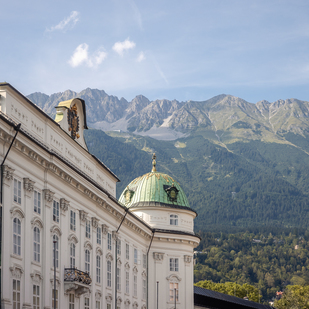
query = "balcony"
x=76 y=281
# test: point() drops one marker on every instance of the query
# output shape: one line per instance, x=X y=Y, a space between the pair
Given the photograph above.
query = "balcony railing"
x=76 y=275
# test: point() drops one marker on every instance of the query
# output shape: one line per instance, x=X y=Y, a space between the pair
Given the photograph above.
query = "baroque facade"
x=66 y=240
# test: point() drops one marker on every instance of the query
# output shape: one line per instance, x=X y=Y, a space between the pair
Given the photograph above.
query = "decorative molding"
x=135 y=270
x=127 y=302
x=158 y=256
x=73 y=239
x=187 y=259
x=104 y=229
x=36 y=277
x=119 y=262
x=16 y=271
x=135 y=305
x=55 y=230
x=115 y=235
x=7 y=173
x=98 y=295
x=109 y=297
x=88 y=245
x=83 y=215
x=144 y=275
x=58 y=283
x=36 y=221
x=109 y=256
x=144 y=307
x=95 y=222
x=99 y=251
x=119 y=300
x=173 y=277
x=16 y=212
x=28 y=184
x=48 y=195
x=64 y=205
x=127 y=266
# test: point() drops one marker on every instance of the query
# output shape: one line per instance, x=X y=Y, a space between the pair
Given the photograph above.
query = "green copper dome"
x=154 y=189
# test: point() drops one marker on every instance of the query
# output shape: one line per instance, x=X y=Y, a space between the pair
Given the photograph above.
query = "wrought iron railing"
x=76 y=275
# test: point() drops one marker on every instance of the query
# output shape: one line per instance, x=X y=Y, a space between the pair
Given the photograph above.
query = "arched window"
x=72 y=255
x=173 y=219
x=56 y=250
x=98 y=269
x=87 y=261
x=36 y=244
x=16 y=236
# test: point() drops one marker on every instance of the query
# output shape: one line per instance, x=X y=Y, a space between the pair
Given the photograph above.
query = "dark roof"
x=215 y=300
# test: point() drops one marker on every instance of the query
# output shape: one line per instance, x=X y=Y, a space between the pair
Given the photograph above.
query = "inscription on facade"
x=71 y=155
x=54 y=142
x=37 y=129
x=19 y=114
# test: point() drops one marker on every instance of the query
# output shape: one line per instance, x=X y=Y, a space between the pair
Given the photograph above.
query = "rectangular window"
x=72 y=220
x=16 y=293
x=174 y=291
x=97 y=305
x=56 y=211
x=109 y=274
x=17 y=191
x=16 y=236
x=87 y=261
x=109 y=241
x=135 y=256
x=144 y=260
x=118 y=247
x=36 y=297
x=36 y=245
x=135 y=285
x=174 y=264
x=173 y=220
x=127 y=282
x=55 y=300
x=88 y=229
x=55 y=250
x=127 y=251
x=98 y=269
x=87 y=301
x=37 y=201
x=118 y=279
x=71 y=301
x=99 y=235
x=108 y=306
x=144 y=289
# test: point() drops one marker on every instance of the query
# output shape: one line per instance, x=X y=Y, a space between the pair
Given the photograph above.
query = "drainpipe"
x=148 y=266
x=116 y=240
x=17 y=127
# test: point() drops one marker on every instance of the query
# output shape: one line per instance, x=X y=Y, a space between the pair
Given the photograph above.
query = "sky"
x=184 y=50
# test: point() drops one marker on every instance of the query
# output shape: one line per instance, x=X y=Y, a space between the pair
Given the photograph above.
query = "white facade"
x=54 y=189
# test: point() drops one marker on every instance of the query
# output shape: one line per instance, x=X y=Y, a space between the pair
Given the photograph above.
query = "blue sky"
x=183 y=50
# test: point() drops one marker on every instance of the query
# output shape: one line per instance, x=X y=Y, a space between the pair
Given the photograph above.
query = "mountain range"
x=241 y=164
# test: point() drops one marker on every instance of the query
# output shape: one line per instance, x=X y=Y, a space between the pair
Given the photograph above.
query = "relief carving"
x=64 y=205
x=158 y=256
x=28 y=184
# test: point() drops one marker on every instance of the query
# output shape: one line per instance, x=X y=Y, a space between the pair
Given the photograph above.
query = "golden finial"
x=154 y=163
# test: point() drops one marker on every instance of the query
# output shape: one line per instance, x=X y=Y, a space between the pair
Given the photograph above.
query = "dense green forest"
x=268 y=260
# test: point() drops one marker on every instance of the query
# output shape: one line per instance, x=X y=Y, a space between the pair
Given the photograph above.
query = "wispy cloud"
x=120 y=47
x=137 y=14
x=141 y=57
x=81 y=56
x=67 y=23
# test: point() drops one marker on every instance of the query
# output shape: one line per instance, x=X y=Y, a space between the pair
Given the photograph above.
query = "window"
x=108 y=306
x=71 y=301
x=36 y=297
x=17 y=191
x=97 y=305
x=109 y=274
x=118 y=279
x=37 y=202
x=118 y=242
x=99 y=235
x=16 y=236
x=36 y=245
x=55 y=299
x=144 y=260
x=127 y=251
x=98 y=269
x=174 y=290
x=87 y=303
x=55 y=251
x=135 y=285
x=127 y=282
x=72 y=220
x=144 y=289
x=72 y=255
x=173 y=220
x=135 y=256
x=16 y=294
x=87 y=260
x=56 y=211
x=88 y=229
x=109 y=241
x=174 y=264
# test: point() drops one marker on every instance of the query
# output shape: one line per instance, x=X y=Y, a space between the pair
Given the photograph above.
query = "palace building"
x=66 y=241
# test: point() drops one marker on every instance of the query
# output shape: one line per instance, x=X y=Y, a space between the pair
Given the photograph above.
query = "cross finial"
x=154 y=163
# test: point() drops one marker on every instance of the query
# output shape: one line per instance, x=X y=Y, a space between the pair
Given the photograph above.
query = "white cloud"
x=120 y=47
x=66 y=23
x=81 y=56
x=141 y=57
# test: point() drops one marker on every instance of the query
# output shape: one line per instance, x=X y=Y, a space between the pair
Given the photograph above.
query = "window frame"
x=109 y=273
x=16 y=291
x=174 y=219
x=72 y=220
x=36 y=296
x=17 y=191
x=127 y=251
x=36 y=244
x=56 y=247
x=87 y=261
x=37 y=201
x=109 y=241
x=17 y=236
x=172 y=286
x=174 y=264
x=88 y=229
x=71 y=301
x=56 y=211
x=98 y=269
x=99 y=235
x=72 y=255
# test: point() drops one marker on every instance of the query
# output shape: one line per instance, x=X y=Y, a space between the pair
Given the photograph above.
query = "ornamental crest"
x=172 y=192
x=73 y=121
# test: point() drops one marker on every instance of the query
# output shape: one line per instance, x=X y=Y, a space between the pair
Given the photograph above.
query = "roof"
x=215 y=300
